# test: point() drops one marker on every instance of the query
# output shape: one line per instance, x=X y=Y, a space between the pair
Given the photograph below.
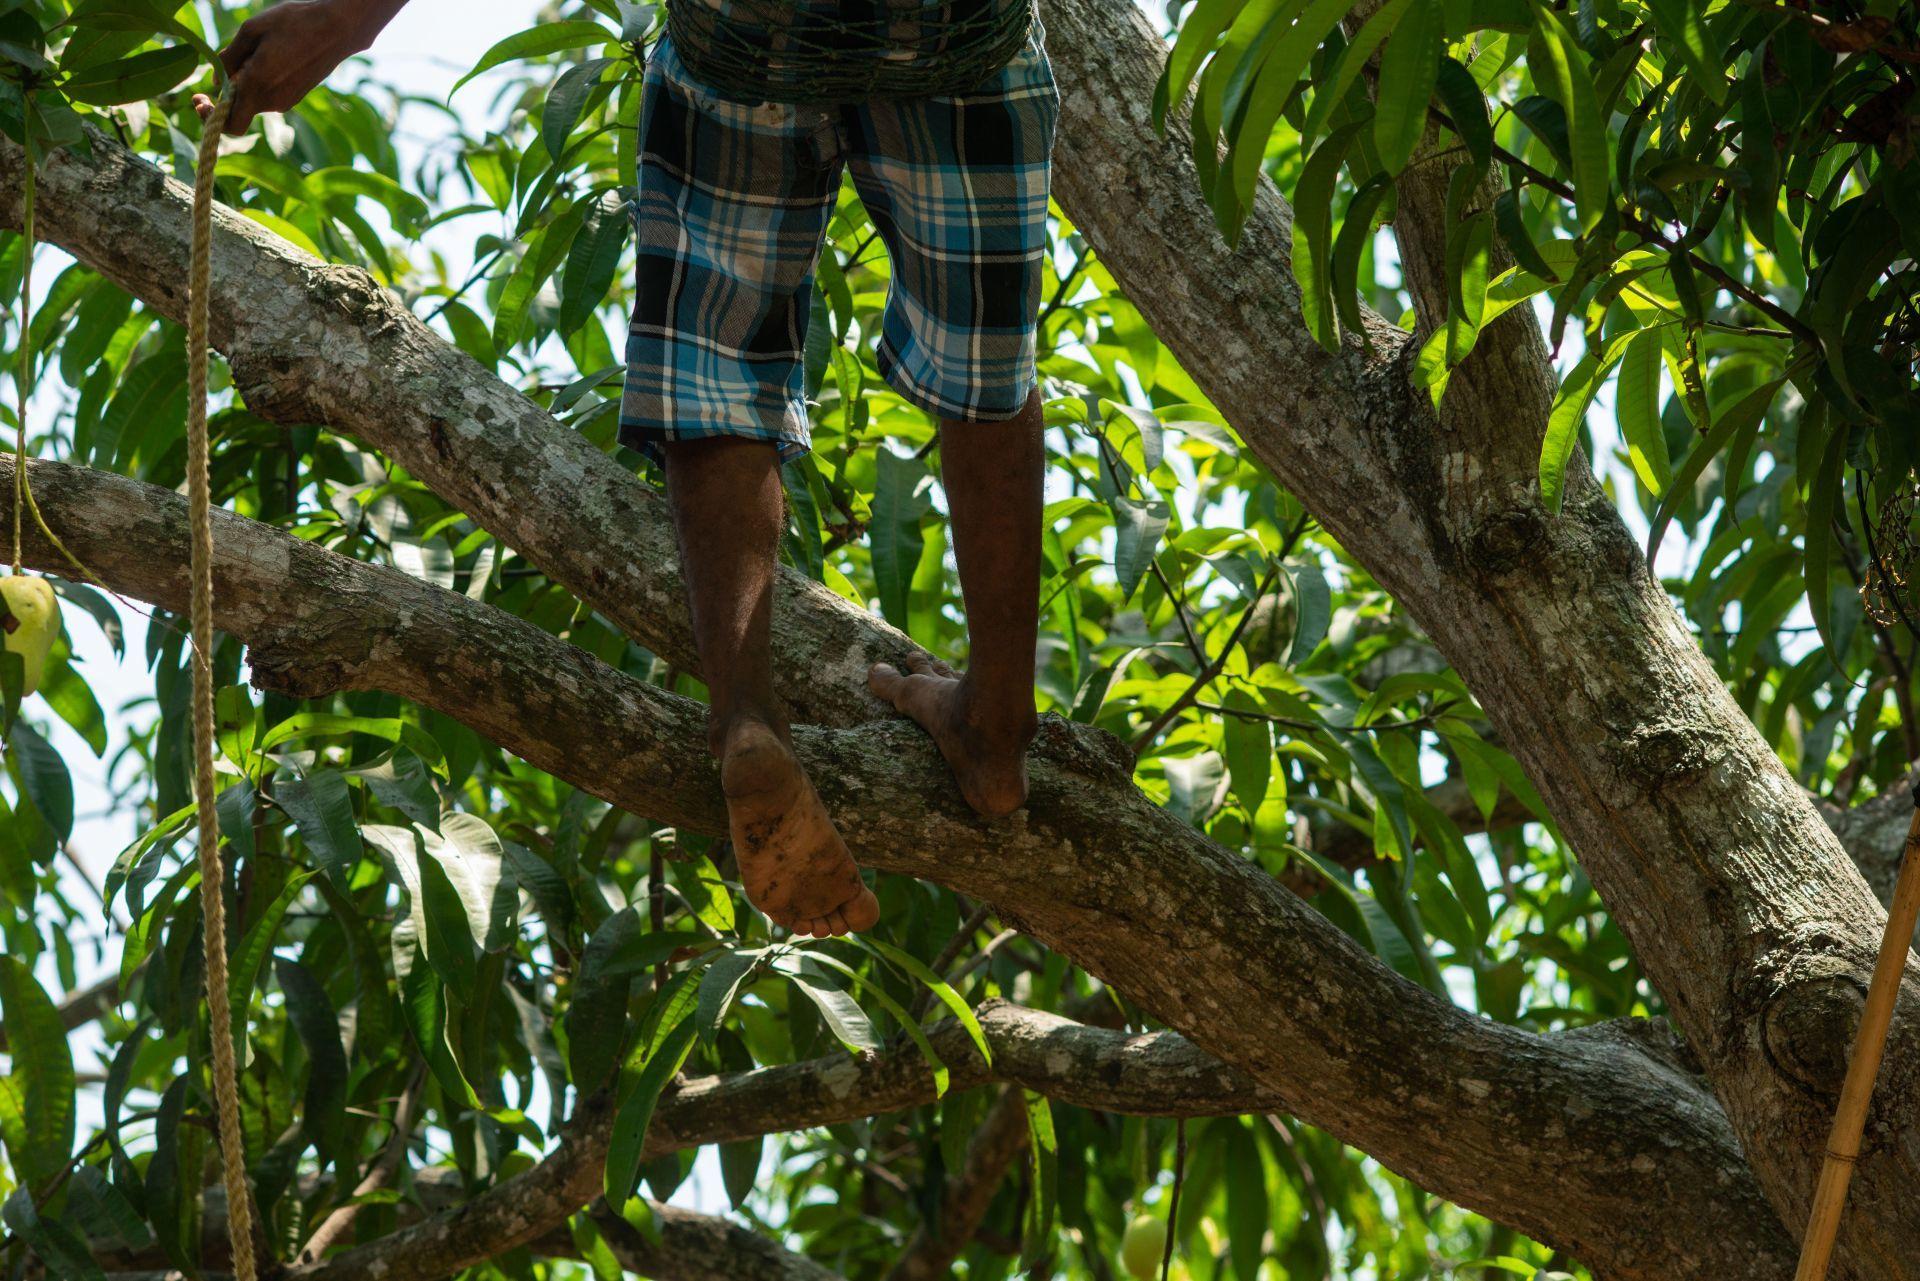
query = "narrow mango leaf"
x=1198 y=30
x=1636 y=398
x=1138 y=527
x=1043 y=1151
x=1332 y=89
x=1823 y=497
x=535 y=41
x=321 y=805
x=1563 y=73
x=838 y=1010
x=1275 y=85
x=941 y=989
x=1409 y=70
x=1355 y=238
x=36 y=1095
x=1683 y=25
x=323 y=1107
x=53 y=1241
x=1744 y=418
x=1313 y=233
x=44 y=777
x=1248 y=747
x=895 y=537
x=1569 y=413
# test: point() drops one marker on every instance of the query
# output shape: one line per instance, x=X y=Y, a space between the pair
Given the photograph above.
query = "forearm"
x=365 y=19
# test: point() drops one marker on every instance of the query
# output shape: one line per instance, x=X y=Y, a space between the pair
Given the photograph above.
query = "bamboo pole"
x=1869 y=1042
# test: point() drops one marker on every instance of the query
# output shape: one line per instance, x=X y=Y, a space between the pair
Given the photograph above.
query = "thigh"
x=733 y=200
x=958 y=187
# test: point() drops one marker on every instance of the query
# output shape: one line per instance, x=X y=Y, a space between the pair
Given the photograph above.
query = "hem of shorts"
x=647 y=435
x=888 y=362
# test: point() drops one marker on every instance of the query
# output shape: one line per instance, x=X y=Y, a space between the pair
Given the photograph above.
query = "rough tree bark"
x=1569 y=1131
x=1736 y=897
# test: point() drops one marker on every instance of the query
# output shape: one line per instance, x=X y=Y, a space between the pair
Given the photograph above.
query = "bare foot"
x=988 y=760
x=793 y=863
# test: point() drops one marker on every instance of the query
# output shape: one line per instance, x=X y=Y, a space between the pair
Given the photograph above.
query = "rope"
x=1863 y=1064
x=842 y=52
x=213 y=873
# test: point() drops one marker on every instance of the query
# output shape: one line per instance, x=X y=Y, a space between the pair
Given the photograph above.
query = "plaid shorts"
x=734 y=201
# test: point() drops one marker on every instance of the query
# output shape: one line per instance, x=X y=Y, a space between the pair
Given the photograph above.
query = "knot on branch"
x=1507 y=539
x=1807 y=1026
x=1660 y=754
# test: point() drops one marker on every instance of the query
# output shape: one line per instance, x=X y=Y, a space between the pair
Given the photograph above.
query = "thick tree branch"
x=1738 y=901
x=1565 y=1134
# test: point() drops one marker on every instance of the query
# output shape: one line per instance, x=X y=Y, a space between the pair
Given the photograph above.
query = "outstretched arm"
x=278 y=56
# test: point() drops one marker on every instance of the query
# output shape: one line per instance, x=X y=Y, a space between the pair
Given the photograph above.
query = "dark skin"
x=729 y=513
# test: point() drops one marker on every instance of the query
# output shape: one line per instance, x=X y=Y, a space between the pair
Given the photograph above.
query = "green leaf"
x=838 y=1010
x=1313 y=612
x=1682 y=26
x=894 y=535
x=475 y=864
x=1198 y=31
x=1563 y=73
x=1248 y=748
x=45 y=778
x=236 y=724
x=321 y=806
x=1467 y=108
x=244 y=966
x=1637 y=410
x=1247 y=1209
x=1138 y=528
x=1569 y=414
x=55 y=1243
x=37 y=1094
x=329 y=724
x=721 y=985
x=323 y=1109
x=591 y=262
x=1743 y=418
x=1823 y=498
x=545 y=250
x=1273 y=88
x=1409 y=70
x=942 y=990
x=564 y=101
x=1355 y=238
x=635 y=1114
x=1313 y=234
x=536 y=41
x=597 y=1015
x=67 y=692
x=1043 y=1152
x=134 y=79
x=1332 y=90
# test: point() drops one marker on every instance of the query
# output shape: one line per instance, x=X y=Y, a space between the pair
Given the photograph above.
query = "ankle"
x=1003 y=716
x=723 y=729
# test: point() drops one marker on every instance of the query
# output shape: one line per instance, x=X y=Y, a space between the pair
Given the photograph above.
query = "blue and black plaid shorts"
x=734 y=201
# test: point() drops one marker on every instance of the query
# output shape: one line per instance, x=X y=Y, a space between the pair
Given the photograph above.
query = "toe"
x=885 y=680
x=863 y=913
x=837 y=924
x=922 y=664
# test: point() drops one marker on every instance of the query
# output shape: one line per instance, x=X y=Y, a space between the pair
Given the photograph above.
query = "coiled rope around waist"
x=840 y=52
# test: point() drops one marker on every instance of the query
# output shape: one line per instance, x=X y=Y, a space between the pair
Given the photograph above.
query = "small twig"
x=1173 y=1205
x=406 y=1115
